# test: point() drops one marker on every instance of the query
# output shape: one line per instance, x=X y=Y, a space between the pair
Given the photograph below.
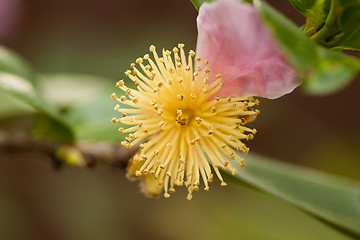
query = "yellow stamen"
x=190 y=126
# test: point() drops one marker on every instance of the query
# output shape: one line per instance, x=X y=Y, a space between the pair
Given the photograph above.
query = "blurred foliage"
x=330 y=198
x=18 y=81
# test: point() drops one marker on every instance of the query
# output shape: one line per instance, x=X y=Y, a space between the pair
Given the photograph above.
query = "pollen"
x=180 y=124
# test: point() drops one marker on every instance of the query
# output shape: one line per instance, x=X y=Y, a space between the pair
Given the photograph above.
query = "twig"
x=81 y=154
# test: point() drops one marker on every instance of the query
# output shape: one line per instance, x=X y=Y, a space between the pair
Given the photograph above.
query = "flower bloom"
x=190 y=126
x=237 y=44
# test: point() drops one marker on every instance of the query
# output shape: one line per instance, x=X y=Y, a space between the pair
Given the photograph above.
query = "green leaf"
x=349 y=22
x=66 y=89
x=92 y=120
x=333 y=24
x=321 y=70
x=88 y=104
x=197 y=3
x=333 y=71
x=315 y=11
x=332 y=199
x=18 y=81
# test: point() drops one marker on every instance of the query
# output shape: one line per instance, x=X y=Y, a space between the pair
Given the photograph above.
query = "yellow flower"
x=190 y=127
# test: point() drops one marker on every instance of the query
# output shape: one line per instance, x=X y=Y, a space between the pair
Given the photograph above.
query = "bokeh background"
x=101 y=38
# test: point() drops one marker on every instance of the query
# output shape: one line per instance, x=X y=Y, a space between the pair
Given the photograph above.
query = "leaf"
x=333 y=199
x=315 y=11
x=322 y=70
x=333 y=71
x=17 y=80
x=13 y=107
x=349 y=22
x=92 y=120
x=197 y=3
x=66 y=89
x=333 y=24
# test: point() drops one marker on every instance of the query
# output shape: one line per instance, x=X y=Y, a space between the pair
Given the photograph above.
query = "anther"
x=132 y=65
x=162 y=123
x=117 y=106
x=213 y=109
x=135 y=100
x=181 y=45
x=121 y=130
x=113 y=96
x=198 y=120
x=223 y=184
x=128 y=91
x=175 y=50
x=146 y=56
x=181 y=97
x=113 y=120
x=250 y=137
x=120 y=83
x=152 y=48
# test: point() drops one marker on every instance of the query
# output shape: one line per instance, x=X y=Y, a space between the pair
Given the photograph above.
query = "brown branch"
x=81 y=154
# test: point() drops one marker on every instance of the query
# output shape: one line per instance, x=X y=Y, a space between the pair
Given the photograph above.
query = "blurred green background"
x=101 y=38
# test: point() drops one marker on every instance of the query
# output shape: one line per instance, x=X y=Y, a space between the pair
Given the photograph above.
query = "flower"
x=190 y=126
x=236 y=42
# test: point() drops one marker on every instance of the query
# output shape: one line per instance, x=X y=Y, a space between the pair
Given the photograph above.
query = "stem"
x=328 y=29
x=90 y=153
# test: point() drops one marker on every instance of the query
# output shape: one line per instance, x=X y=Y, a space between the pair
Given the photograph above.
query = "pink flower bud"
x=238 y=44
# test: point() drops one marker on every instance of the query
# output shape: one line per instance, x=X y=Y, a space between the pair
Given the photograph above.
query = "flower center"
x=183 y=117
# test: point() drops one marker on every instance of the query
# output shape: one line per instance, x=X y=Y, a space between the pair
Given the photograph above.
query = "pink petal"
x=237 y=44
